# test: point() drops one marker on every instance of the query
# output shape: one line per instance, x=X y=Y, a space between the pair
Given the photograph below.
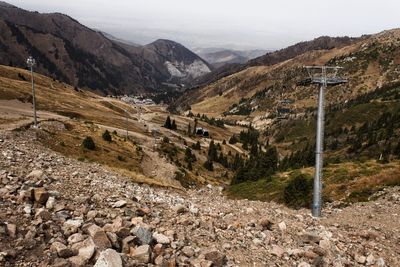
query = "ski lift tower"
x=31 y=62
x=324 y=76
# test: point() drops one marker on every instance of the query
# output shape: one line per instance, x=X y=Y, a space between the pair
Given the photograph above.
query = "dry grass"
x=88 y=114
x=121 y=156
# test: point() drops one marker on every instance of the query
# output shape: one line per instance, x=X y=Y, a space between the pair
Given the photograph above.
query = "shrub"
x=167 y=123
x=297 y=193
x=88 y=143
x=196 y=146
x=209 y=165
x=233 y=140
x=107 y=136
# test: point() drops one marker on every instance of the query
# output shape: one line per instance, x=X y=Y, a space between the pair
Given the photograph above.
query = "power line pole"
x=31 y=62
x=126 y=123
x=323 y=80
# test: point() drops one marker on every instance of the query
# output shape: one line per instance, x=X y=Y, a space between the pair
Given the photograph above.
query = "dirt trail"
x=15 y=114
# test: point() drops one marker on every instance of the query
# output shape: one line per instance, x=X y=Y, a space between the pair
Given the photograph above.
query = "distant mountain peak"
x=164 y=41
x=5 y=4
x=69 y=51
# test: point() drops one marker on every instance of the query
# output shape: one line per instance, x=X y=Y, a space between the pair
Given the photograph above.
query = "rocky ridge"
x=56 y=211
x=68 y=51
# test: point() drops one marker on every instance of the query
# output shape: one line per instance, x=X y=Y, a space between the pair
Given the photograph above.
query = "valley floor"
x=57 y=211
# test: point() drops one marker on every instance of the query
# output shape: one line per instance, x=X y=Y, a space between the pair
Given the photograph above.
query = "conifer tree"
x=195 y=126
x=173 y=125
x=167 y=123
x=212 y=151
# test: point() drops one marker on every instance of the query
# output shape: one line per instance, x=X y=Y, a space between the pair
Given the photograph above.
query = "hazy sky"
x=246 y=23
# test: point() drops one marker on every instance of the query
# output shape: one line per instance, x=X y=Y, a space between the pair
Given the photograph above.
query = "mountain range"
x=71 y=52
x=219 y=57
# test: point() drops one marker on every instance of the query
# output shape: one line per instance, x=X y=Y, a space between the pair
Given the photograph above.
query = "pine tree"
x=233 y=140
x=209 y=165
x=212 y=151
x=195 y=126
x=189 y=130
x=189 y=156
x=167 y=123
x=189 y=166
x=107 y=136
x=396 y=150
x=196 y=146
x=173 y=125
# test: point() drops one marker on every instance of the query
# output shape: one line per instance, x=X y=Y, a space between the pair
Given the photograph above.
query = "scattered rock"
x=179 y=209
x=119 y=204
x=370 y=259
x=36 y=174
x=325 y=244
x=360 y=258
x=50 y=203
x=28 y=209
x=218 y=259
x=127 y=244
x=380 y=262
x=43 y=214
x=277 y=251
x=109 y=258
x=142 y=212
x=141 y=253
x=79 y=222
x=303 y=264
x=72 y=225
x=99 y=237
x=41 y=195
x=11 y=230
x=161 y=239
x=75 y=238
x=188 y=251
x=282 y=226
x=85 y=249
x=145 y=236
x=62 y=250
x=266 y=224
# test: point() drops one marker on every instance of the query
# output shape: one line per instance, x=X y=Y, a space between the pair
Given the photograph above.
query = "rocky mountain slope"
x=179 y=61
x=271 y=58
x=61 y=212
x=220 y=57
x=68 y=51
x=368 y=63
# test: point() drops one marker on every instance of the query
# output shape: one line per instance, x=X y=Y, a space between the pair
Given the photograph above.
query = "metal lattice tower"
x=325 y=76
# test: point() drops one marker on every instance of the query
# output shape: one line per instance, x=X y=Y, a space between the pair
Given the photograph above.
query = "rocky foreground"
x=56 y=211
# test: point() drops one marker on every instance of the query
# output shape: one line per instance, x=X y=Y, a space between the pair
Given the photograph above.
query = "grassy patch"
x=117 y=154
x=348 y=181
x=264 y=189
x=361 y=196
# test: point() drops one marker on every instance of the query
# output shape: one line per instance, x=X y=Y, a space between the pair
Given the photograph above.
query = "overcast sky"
x=231 y=23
